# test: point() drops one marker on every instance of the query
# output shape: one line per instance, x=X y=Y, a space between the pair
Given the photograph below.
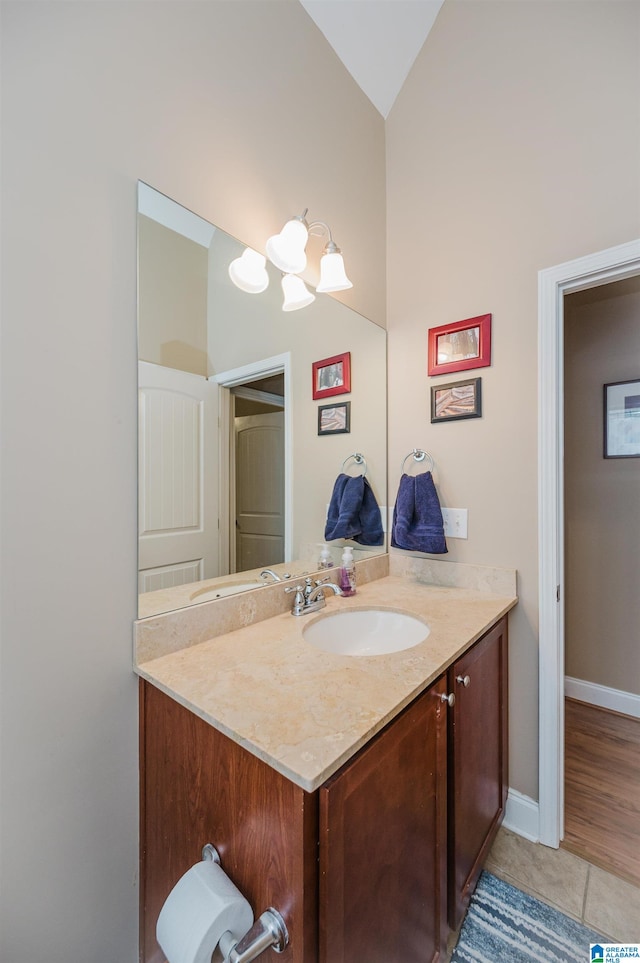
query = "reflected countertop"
x=303 y=711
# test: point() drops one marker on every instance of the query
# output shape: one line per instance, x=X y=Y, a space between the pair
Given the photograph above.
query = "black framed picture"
x=622 y=419
x=334 y=419
x=456 y=400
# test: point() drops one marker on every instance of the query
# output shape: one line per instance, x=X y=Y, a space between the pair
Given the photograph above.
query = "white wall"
x=513 y=146
x=241 y=112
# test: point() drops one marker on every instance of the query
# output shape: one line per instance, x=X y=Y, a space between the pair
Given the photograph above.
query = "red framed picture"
x=460 y=346
x=332 y=376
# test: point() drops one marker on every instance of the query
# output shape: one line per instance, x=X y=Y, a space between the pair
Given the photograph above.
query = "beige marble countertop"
x=306 y=712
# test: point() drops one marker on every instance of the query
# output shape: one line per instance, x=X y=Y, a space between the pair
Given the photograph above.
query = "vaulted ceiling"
x=377 y=40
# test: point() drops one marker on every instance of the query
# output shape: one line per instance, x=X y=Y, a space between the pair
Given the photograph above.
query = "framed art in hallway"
x=334 y=419
x=622 y=419
x=456 y=401
x=460 y=346
x=332 y=376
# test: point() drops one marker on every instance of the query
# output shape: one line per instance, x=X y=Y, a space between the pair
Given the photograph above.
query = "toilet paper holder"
x=269 y=930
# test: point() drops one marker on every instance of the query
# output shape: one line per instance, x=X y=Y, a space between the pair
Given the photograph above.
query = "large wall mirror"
x=235 y=471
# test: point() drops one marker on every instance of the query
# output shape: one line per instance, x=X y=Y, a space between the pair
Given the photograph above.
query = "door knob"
x=449 y=699
x=464 y=680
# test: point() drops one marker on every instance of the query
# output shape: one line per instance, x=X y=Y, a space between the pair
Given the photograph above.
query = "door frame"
x=278 y=364
x=603 y=267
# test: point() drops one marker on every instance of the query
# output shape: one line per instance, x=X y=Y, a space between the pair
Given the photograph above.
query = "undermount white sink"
x=365 y=632
x=222 y=590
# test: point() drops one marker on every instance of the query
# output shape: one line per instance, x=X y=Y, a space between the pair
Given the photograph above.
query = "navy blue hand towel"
x=417 y=516
x=353 y=512
x=371 y=532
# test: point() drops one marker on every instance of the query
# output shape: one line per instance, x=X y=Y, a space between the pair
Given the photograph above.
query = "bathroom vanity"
x=358 y=796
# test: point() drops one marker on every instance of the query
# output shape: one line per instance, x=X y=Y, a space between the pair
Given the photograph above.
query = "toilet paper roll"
x=202 y=905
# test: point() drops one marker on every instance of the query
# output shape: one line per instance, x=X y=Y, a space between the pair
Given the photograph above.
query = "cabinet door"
x=383 y=844
x=478 y=754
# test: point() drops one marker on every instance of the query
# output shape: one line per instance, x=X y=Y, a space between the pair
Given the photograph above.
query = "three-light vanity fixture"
x=286 y=251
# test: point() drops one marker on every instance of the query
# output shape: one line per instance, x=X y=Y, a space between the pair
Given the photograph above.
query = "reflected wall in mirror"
x=233 y=477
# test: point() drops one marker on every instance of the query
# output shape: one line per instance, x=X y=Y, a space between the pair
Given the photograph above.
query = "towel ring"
x=418 y=455
x=359 y=460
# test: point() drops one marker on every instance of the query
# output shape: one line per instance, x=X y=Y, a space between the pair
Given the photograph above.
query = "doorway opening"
x=256 y=490
x=255 y=458
x=602 y=606
x=610 y=265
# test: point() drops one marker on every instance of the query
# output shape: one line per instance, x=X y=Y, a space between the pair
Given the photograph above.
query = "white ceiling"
x=377 y=40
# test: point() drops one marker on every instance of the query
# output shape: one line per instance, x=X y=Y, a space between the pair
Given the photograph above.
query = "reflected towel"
x=370 y=519
x=417 y=516
x=354 y=512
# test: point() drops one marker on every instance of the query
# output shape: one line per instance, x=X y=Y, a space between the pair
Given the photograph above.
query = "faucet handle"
x=299 y=599
x=294 y=588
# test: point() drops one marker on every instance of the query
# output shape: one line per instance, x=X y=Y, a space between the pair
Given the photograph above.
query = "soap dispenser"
x=348 y=572
x=325 y=560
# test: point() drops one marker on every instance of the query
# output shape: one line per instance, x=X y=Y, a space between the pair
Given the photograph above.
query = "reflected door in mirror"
x=177 y=451
x=259 y=445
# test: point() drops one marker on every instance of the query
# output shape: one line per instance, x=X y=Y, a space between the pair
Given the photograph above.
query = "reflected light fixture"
x=287 y=252
x=249 y=273
x=287 y=249
x=296 y=293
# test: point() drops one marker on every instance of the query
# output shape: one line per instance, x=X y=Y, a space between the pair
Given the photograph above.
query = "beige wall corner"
x=513 y=146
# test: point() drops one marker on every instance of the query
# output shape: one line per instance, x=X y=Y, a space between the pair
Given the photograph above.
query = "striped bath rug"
x=505 y=925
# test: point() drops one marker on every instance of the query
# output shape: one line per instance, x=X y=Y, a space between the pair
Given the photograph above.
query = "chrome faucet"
x=310 y=596
x=274 y=575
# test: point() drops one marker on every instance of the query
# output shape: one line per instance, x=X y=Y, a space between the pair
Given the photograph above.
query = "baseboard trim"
x=521 y=816
x=602 y=696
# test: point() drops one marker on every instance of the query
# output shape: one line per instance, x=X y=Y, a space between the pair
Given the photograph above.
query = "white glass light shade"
x=296 y=293
x=286 y=249
x=248 y=272
x=332 y=274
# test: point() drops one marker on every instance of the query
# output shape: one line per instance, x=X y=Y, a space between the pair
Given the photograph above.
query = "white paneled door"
x=178 y=478
x=259 y=490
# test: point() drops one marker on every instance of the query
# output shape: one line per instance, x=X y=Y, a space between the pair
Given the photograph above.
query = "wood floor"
x=602 y=788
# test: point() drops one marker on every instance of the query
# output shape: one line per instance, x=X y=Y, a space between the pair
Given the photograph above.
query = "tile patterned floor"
x=605 y=903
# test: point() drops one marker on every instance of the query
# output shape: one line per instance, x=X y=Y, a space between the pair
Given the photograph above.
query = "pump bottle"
x=325 y=560
x=348 y=572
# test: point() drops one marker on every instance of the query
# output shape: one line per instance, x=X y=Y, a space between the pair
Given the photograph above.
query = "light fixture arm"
x=330 y=247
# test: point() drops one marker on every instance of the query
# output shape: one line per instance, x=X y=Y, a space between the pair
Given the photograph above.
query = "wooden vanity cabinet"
x=478 y=761
x=358 y=869
x=366 y=868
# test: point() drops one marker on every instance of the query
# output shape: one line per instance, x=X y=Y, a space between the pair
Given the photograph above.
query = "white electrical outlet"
x=455 y=522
